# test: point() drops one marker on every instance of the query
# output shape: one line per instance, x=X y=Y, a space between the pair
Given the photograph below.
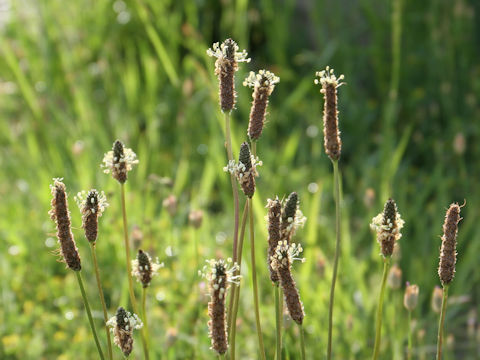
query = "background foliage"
x=76 y=75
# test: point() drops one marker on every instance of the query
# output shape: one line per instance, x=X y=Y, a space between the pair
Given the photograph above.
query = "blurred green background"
x=76 y=75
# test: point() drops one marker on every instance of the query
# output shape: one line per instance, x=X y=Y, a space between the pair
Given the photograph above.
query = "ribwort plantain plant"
x=118 y=162
x=333 y=148
x=92 y=205
x=446 y=267
x=68 y=249
x=410 y=301
x=387 y=226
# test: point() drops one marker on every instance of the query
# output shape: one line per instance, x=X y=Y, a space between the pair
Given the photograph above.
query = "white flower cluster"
x=109 y=162
x=132 y=320
x=328 y=76
x=239 y=169
x=217 y=269
x=384 y=230
x=263 y=78
x=220 y=51
x=286 y=254
x=298 y=222
x=138 y=270
x=81 y=199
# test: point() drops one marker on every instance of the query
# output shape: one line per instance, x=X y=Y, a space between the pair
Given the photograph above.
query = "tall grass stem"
x=409 y=350
x=441 y=322
x=302 y=341
x=336 y=180
x=236 y=289
x=254 y=281
x=278 y=323
x=102 y=299
x=89 y=313
x=378 y=326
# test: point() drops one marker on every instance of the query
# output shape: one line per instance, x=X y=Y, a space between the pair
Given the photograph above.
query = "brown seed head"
x=274 y=217
x=246 y=171
x=61 y=215
x=448 y=252
x=228 y=57
x=144 y=269
x=410 y=299
x=388 y=224
x=219 y=276
x=289 y=214
x=195 y=217
x=92 y=205
x=263 y=84
x=330 y=83
x=122 y=326
x=285 y=254
x=119 y=161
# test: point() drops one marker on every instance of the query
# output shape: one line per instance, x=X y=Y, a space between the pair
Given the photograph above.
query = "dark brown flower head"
x=92 y=205
x=331 y=133
x=263 y=84
x=281 y=261
x=228 y=57
x=292 y=217
x=448 y=252
x=144 y=269
x=61 y=215
x=246 y=170
x=219 y=274
x=274 y=218
x=119 y=161
x=122 y=326
x=388 y=224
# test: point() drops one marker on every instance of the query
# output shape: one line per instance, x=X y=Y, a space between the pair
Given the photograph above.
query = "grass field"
x=76 y=75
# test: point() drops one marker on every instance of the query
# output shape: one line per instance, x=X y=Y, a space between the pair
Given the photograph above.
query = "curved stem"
x=233 y=180
x=441 y=322
x=278 y=322
x=236 y=289
x=409 y=351
x=302 y=341
x=336 y=180
x=102 y=299
x=378 y=327
x=89 y=313
x=129 y=269
x=254 y=281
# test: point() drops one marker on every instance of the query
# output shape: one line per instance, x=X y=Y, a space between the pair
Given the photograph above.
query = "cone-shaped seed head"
x=226 y=65
x=331 y=132
x=145 y=268
x=263 y=84
x=437 y=297
x=448 y=252
x=388 y=224
x=274 y=217
x=281 y=261
x=289 y=213
x=124 y=333
x=216 y=309
x=246 y=173
x=394 y=279
x=119 y=173
x=61 y=215
x=90 y=216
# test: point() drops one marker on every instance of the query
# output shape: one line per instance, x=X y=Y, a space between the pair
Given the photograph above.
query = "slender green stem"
x=254 y=281
x=336 y=179
x=302 y=341
x=144 y=312
x=102 y=299
x=278 y=322
x=409 y=351
x=89 y=313
x=129 y=269
x=378 y=328
x=228 y=141
x=441 y=322
x=236 y=289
